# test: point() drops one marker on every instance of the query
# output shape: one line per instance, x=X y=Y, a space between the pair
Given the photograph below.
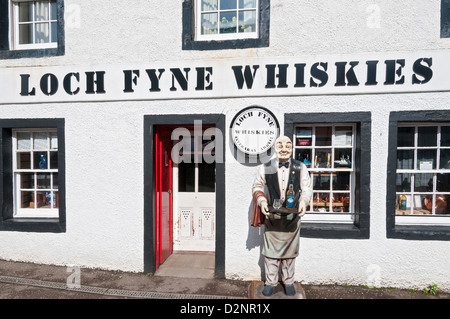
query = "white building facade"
x=95 y=96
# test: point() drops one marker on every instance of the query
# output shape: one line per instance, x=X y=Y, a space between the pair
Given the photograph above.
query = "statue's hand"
x=302 y=208
x=265 y=208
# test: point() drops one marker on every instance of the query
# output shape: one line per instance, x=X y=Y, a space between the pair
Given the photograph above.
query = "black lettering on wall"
x=67 y=83
x=392 y=73
x=130 y=78
x=372 y=72
x=95 y=82
x=181 y=79
x=282 y=76
x=422 y=70
x=342 y=74
x=25 y=86
x=154 y=79
x=49 y=84
x=204 y=76
x=300 y=75
x=248 y=76
x=319 y=74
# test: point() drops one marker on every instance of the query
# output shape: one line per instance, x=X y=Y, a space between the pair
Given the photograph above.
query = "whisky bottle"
x=403 y=202
x=290 y=197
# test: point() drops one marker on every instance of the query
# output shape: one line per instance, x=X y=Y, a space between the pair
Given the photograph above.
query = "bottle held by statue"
x=290 y=197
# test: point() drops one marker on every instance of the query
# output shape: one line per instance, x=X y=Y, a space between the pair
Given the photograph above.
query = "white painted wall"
x=104 y=141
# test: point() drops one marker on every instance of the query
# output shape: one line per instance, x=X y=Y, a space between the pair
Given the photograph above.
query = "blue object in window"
x=43 y=162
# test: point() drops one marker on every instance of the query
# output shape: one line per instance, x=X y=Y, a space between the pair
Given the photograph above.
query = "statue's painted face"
x=283 y=147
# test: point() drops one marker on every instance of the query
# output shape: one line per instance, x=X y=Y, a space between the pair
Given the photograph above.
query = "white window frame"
x=330 y=217
x=431 y=219
x=35 y=212
x=14 y=27
x=223 y=36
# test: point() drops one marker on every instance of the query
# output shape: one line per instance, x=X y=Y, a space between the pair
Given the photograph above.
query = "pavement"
x=27 y=281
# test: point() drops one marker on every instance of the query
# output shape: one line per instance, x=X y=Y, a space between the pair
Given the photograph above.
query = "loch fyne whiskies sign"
x=397 y=72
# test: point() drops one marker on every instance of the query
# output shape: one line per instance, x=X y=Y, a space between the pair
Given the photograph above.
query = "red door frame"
x=163 y=195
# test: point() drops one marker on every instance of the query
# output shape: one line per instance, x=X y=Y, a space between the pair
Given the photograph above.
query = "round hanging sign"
x=254 y=130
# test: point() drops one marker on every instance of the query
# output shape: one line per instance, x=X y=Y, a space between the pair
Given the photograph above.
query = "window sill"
x=420 y=232
x=333 y=231
x=31 y=53
x=225 y=44
x=33 y=225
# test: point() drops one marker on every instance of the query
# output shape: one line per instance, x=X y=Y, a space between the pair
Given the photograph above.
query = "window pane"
x=426 y=159
x=403 y=183
x=209 y=5
x=26 y=199
x=42 y=33
x=343 y=158
x=423 y=182
x=341 y=202
x=54 y=32
x=25 y=34
x=40 y=141
x=403 y=204
x=323 y=136
x=206 y=177
x=53 y=10
x=321 y=182
x=43 y=199
x=445 y=136
x=341 y=181
x=54 y=160
x=54 y=141
x=43 y=181
x=41 y=11
x=23 y=160
x=441 y=205
x=427 y=136
x=55 y=181
x=247 y=21
x=422 y=204
x=227 y=4
x=209 y=23
x=443 y=183
x=321 y=202
x=40 y=160
x=25 y=11
x=322 y=158
x=55 y=199
x=27 y=180
x=444 y=161
x=228 y=22
x=304 y=136
x=186 y=177
x=23 y=141
x=405 y=159
x=343 y=136
x=304 y=156
x=245 y=4
x=405 y=136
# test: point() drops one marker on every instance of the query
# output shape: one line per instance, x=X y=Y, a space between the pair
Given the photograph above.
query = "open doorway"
x=182 y=237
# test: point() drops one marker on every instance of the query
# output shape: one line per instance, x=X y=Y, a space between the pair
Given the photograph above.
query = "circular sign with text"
x=254 y=130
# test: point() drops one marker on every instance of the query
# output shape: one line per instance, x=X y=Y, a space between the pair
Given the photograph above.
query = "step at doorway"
x=188 y=264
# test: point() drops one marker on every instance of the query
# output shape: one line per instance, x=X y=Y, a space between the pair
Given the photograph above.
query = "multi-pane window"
x=328 y=151
x=423 y=173
x=34 y=24
x=35 y=173
x=227 y=19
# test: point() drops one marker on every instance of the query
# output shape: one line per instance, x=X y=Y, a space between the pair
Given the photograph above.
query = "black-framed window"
x=337 y=137
x=225 y=24
x=31 y=29
x=445 y=18
x=418 y=179
x=32 y=181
